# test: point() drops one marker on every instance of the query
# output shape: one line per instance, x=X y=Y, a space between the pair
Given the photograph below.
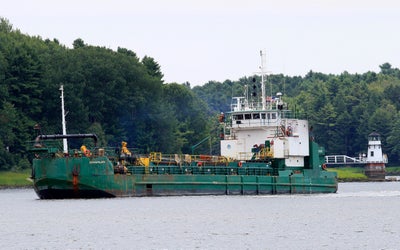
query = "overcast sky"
x=199 y=41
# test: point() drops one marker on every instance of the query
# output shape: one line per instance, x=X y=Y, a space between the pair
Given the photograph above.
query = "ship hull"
x=77 y=178
x=181 y=189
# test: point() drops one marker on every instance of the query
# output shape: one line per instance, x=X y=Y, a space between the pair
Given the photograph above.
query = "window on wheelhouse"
x=256 y=116
x=238 y=117
x=262 y=115
x=247 y=116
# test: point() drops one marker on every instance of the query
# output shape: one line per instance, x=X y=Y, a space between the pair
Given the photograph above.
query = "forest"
x=122 y=97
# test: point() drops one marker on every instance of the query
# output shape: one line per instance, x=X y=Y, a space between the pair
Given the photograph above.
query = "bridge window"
x=256 y=116
x=262 y=115
x=273 y=116
x=247 y=116
x=238 y=117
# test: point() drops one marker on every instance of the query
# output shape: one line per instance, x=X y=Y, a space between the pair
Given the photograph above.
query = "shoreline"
x=2 y=187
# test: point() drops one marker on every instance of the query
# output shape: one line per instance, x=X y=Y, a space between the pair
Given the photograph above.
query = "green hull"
x=106 y=174
x=95 y=178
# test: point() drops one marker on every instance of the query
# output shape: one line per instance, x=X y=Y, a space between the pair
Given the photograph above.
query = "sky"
x=200 y=41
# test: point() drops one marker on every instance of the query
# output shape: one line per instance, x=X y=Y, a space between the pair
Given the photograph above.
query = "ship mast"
x=64 y=127
x=263 y=62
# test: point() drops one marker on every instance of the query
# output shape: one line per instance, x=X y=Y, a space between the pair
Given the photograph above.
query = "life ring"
x=240 y=164
x=199 y=164
x=324 y=166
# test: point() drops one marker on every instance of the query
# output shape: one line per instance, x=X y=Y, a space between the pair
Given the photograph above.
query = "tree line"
x=121 y=97
x=111 y=93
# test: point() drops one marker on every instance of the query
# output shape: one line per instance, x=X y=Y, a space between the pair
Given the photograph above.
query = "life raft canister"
x=240 y=164
x=324 y=166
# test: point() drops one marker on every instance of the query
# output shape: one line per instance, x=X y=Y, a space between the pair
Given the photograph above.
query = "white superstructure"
x=252 y=126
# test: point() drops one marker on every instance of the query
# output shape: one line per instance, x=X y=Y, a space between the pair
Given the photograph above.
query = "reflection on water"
x=359 y=216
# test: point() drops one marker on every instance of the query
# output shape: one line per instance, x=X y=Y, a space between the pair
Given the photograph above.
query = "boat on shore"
x=265 y=149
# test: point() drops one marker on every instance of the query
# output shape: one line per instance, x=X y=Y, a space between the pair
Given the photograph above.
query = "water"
x=359 y=216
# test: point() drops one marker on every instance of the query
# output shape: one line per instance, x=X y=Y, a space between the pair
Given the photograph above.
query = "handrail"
x=71 y=136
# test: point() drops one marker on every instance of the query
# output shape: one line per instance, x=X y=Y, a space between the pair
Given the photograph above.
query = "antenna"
x=64 y=127
x=263 y=63
x=263 y=74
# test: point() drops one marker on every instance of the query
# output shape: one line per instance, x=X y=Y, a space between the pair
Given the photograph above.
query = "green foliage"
x=153 y=68
x=218 y=95
x=190 y=113
x=5 y=25
x=350 y=174
x=15 y=179
x=96 y=128
x=110 y=93
x=392 y=170
x=393 y=139
x=78 y=43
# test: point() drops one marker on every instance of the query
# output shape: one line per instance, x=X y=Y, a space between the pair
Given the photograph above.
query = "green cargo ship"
x=265 y=149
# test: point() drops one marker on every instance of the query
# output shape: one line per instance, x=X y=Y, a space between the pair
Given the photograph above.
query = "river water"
x=359 y=216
